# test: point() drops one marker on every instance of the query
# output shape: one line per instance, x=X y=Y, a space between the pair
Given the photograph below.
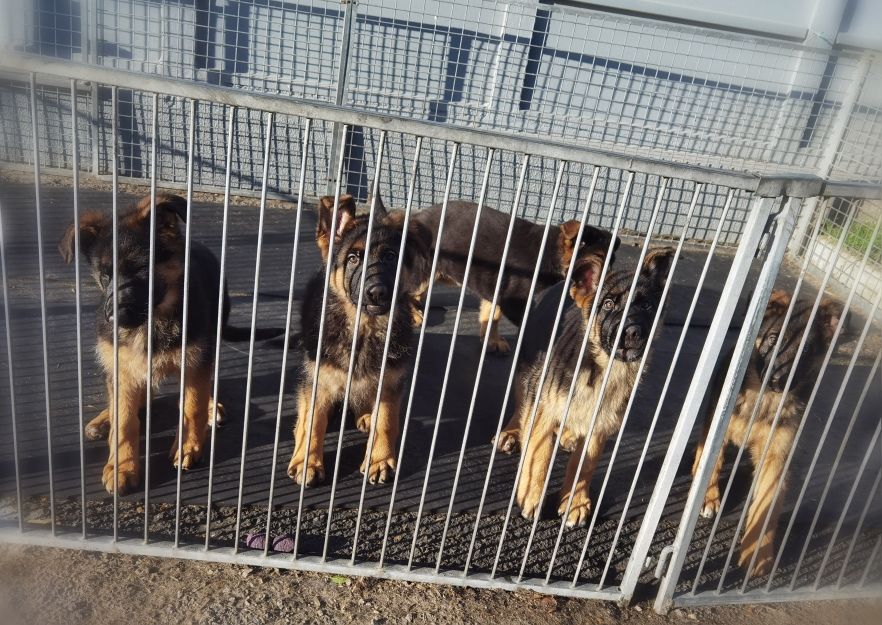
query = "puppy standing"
x=347 y=266
x=520 y=263
x=625 y=364
x=819 y=335
x=133 y=271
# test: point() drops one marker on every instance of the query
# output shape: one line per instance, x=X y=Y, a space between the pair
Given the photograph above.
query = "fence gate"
x=811 y=474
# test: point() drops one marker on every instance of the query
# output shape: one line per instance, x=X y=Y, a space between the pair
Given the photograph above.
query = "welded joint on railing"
x=664 y=558
x=790 y=186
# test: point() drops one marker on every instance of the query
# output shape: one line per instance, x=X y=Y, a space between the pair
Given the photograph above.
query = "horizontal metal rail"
x=796 y=185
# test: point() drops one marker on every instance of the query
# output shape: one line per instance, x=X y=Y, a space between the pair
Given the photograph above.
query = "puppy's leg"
x=416 y=308
x=537 y=458
x=496 y=343
x=712 y=495
x=509 y=439
x=315 y=469
x=382 y=462
x=580 y=510
x=197 y=402
x=124 y=458
x=98 y=429
x=761 y=503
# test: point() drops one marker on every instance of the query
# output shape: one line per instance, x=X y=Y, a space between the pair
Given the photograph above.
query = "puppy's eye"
x=389 y=256
x=353 y=258
x=645 y=304
x=581 y=244
x=608 y=304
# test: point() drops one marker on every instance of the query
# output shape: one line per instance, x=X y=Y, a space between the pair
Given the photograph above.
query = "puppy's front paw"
x=508 y=441
x=530 y=502
x=216 y=418
x=580 y=510
x=380 y=469
x=190 y=455
x=711 y=504
x=363 y=423
x=98 y=429
x=498 y=345
x=315 y=472
x=128 y=477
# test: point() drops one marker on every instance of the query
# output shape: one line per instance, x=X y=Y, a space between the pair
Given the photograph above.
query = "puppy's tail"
x=237 y=335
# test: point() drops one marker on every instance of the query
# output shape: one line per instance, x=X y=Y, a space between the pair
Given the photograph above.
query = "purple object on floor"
x=283 y=543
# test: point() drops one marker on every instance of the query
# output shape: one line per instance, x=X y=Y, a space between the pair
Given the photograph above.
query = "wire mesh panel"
x=406 y=467
x=797 y=512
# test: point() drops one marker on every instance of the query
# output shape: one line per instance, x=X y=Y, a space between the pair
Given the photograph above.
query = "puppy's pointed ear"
x=169 y=209
x=381 y=209
x=657 y=266
x=92 y=226
x=586 y=277
x=830 y=312
x=345 y=220
x=592 y=238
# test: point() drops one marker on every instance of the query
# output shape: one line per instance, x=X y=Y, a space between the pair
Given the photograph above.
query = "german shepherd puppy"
x=598 y=355
x=347 y=266
x=133 y=257
x=520 y=263
x=819 y=336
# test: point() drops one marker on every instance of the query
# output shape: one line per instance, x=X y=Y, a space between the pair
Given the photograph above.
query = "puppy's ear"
x=345 y=220
x=169 y=209
x=379 y=206
x=779 y=301
x=586 y=277
x=93 y=225
x=830 y=312
x=657 y=266
x=592 y=238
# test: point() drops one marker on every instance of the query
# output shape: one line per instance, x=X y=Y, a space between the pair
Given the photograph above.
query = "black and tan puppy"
x=348 y=264
x=520 y=263
x=598 y=356
x=818 y=340
x=133 y=257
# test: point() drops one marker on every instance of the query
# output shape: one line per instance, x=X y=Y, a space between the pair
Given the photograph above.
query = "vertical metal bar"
x=43 y=324
x=738 y=272
x=776 y=419
x=353 y=351
x=254 y=299
x=377 y=397
x=874 y=489
x=191 y=149
x=10 y=369
x=870 y=449
x=75 y=163
x=763 y=383
x=232 y=111
x=870 y=561
x=650 y=228
x=151 y=282
x=551 y=340
x=454 y=153
x=114 y=170
x=338 y=137
x=307 y=126
x=403 y=441
x=513 y=371
x=658 y=409
x=450 y=350
x=318 y=352
x=511 y=223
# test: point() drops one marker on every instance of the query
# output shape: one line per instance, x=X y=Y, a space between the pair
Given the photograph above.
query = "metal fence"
x=451 y=512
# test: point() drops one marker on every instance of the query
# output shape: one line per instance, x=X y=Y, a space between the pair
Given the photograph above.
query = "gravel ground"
x=48 y=586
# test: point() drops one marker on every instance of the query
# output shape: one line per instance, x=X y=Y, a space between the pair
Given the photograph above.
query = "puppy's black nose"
x=633 y=333
x=377 y=294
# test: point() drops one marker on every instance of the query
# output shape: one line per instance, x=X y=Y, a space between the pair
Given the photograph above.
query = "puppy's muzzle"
x=632 y=343
x=378 y=299
x=131 y=310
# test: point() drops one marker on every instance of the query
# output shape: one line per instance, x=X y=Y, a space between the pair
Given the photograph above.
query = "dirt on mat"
x=47 y=586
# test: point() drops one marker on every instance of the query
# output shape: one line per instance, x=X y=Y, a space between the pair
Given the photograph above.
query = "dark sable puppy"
x=347 y=266
x=133 y=256
x=520 y=263
x=820 y=333
x=553 y=395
